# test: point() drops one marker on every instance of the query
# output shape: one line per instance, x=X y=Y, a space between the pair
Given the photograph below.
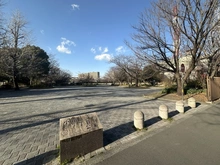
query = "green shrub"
x=168 y=90
x=193 y=91
x=194 y=84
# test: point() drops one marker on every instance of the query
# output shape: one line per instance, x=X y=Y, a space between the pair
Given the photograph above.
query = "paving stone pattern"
x=29 y=120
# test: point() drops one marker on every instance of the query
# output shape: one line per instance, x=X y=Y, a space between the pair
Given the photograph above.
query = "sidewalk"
x=29 y=120
x=192 y=140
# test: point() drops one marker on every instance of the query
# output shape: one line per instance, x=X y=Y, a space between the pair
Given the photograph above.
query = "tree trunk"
x=31 y=81
x=136 y=82
x=15 y=81
x=179 y=84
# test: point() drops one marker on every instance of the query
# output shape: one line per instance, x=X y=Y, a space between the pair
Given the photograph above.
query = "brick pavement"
x=29 y=121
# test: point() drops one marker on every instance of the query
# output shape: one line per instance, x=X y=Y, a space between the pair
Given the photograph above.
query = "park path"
x=29 y=121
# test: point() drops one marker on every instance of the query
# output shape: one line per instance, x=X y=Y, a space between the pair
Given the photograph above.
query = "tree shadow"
x=116 y=133
x=56 y=96
x=113 y=134
x=33 y=92
x=40 y=159
x=56 y=119
x=109 y=136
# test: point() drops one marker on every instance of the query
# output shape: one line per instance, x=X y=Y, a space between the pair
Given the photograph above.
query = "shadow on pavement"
x=48 y=117
x=109 y=136
x=33 y=92
x=152 y=121
x=60 y=90
x=198 y=104
x=116 y=133
x=40 y=159
x=173 y=113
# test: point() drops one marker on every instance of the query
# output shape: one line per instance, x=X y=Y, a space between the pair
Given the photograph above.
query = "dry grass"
x=200 y=97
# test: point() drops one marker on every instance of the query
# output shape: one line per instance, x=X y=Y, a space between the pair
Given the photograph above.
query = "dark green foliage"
x=6 y=86
x=193 y=91
x=194 y=84
x=33 y=68
x=35 y=63
x=168 y=90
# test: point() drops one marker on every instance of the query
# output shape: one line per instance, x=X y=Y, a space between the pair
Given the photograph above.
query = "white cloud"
x=105 y=50
x=120 y=49
x=103 y=57
x=103 y=53
x=49 y=48
x=75 y=6
x=42 y=31
x=99 y=49
x=63 y=46
x=93 y=50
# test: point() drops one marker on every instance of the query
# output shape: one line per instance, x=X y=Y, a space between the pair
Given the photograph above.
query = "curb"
x=131 y=139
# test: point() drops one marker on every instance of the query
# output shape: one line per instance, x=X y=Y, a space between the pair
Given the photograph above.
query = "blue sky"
x=81 y=34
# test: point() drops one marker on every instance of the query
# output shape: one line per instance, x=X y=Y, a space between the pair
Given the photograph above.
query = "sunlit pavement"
x=29 y=121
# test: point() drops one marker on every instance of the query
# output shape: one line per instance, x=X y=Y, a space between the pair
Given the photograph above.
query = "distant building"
x=90 y=75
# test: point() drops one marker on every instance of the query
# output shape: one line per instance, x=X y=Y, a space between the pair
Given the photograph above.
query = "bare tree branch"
x=173 y=29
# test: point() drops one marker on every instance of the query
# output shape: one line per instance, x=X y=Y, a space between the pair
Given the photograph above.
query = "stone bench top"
x=79 y=125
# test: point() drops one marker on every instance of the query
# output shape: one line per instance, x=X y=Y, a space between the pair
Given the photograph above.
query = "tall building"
x=91 y=75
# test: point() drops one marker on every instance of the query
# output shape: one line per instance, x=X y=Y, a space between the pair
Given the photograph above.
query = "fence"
x=213 y=88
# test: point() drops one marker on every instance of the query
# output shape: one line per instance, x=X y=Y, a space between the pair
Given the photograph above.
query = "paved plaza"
x=29 y=120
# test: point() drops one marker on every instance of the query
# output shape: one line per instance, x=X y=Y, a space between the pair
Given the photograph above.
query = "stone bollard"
x=163 y=111
x=180 y=106
x=139 y=119
x=192 y=102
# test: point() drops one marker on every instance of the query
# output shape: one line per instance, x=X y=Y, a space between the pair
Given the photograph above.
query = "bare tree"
x=116 y=75
x=170 y=28
x=131 y=65
x=109 y=76
x=56 y=75
x=2 y=32
x=16 y=37
x=151 y=74
x=211 y=52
